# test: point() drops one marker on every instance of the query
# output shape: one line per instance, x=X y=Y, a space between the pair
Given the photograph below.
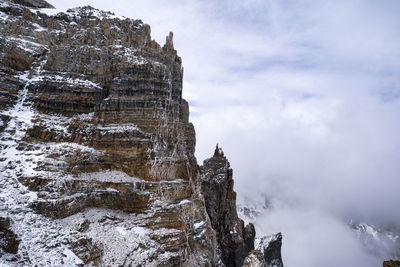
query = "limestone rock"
x=97 y=162
x=18 y=59
x=234 y=240
x=97 y=150
x=270 y=248
x=254 y=259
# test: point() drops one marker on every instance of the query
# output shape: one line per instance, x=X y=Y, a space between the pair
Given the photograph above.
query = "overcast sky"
x=303 y=96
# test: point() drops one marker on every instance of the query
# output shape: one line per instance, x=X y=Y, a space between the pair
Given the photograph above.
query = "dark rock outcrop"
x=234 y=240
x=97 y=150
x=33 y=3
x=391 y=263
x=8 y=239
x=270 y=248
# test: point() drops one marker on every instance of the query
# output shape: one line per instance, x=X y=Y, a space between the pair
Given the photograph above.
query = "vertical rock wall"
x=235 y=241
x=97 y=164
x=96 y=146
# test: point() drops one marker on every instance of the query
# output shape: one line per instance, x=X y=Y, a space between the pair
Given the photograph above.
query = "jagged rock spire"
x=220 y=200
x=218 y=152
x=169 y=48
x=169 y=42
x=270 y=247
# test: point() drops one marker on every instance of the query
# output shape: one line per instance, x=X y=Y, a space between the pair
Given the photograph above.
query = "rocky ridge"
x=235 y=241
x=382 y=242
x=97 y=151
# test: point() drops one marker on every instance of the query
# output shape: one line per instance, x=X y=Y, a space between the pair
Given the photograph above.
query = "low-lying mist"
x=318 y=174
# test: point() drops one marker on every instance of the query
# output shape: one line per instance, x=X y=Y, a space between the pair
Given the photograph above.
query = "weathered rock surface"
x=270 y=248
x=8 y=239
x=97 y=164
x=18 y=59
x=235 y=241
x=95 y=140
x=391 y=263
x=254 y=259
x=33 y=3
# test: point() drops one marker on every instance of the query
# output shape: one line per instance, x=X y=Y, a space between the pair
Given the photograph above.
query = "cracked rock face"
x=97 y=164
x=254 y=259
x=97 y=161
x=235 y=241
x=270 y=247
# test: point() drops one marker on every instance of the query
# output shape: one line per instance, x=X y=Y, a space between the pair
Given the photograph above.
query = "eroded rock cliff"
x=97 y=164
x=97 y=153
x=235 y=241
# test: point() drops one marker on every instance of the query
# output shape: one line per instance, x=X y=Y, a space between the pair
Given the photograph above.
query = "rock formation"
x=270 y=248
x=97 y=164
x=391 y=263
x=8 y=239
x=254 y=259
x=235 y=241
x=33 y=3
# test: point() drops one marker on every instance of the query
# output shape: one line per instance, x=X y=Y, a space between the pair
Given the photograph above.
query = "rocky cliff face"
x=270 y=248
x=97 y=163
x=235 y=241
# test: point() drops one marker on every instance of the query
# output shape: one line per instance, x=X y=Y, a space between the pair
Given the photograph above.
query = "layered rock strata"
x=235 y=240
x=97 y=164
x=96 y=147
